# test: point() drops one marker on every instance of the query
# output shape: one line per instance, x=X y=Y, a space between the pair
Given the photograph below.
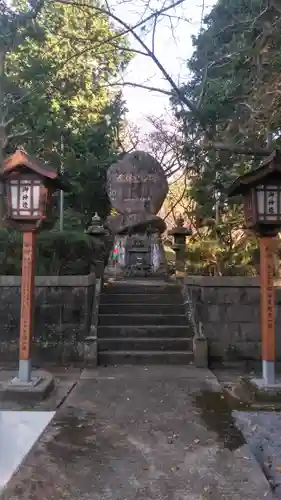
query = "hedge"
x=58 y=253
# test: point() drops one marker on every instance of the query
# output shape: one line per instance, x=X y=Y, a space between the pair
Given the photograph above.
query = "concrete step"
x=145 y=357
x=145 y=344
x=141 y=309
x=141 y=287
x=135 y=298
x=154 y=331
x=142 y=319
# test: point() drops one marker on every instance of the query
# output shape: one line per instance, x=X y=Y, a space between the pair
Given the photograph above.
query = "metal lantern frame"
x=27 y=197
x=268 y=199
x=261 y=190
x=29 y=186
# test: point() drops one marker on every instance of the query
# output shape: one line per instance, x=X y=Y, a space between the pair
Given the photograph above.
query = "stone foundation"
x=139 y=254
x=65 y=318
x=228 y=309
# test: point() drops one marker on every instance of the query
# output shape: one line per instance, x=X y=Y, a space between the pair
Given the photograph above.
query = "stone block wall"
x=65 y=318
x=228 y=309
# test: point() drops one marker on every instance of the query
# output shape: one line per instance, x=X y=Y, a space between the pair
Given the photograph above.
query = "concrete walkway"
x=135 y=433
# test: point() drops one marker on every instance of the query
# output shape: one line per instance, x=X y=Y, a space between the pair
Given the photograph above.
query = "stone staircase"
x=143 y=322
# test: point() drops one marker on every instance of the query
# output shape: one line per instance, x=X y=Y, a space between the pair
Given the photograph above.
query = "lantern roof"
x=21 y=159
x=271 y=165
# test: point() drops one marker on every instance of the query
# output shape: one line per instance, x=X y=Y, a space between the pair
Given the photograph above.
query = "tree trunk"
x=2 y=201
x=3 y=133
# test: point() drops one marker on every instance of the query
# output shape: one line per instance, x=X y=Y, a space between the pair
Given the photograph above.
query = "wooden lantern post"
x=261 y=190
x=26 y=315
x=29 y=185
x=267 y=309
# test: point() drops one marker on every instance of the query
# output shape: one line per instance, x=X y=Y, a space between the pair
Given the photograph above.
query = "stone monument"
x=137 y=187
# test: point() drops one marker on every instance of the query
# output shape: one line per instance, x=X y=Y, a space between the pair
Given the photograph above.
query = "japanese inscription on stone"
x=136 y=184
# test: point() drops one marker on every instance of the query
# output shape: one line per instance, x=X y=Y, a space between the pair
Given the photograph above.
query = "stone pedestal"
x=200 y=351
x=139 y=254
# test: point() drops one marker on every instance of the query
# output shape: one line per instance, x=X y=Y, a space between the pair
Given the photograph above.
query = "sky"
x=172 y=48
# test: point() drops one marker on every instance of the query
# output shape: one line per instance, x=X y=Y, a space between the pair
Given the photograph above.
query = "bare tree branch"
x=176 y=90
x=120 y=34
x=178 y=200
x=141 y=86
x=128 y=28
x=233 y=148
x=153 y=34
x=166 y=144
x=202 y=93
x=17 y=134
x=128 y=49
x=128 y=137
x=202 y=14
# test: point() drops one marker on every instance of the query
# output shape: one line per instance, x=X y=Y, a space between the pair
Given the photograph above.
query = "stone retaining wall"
x=228 y=309
x=65 y=318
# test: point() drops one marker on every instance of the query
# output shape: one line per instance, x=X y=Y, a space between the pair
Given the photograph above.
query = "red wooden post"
x=267 y=309
x=27 y=293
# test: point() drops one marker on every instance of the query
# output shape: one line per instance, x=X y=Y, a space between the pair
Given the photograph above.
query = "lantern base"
x=37 y=389
x=266 y=392
x=33 y=382
x=268 y=373
x=257 y=392
x=25 y=371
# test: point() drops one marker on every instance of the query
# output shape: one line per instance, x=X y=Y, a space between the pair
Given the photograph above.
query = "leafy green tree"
x=67 y=112
x=235 y=55
x=235 y=87
x=15 y=27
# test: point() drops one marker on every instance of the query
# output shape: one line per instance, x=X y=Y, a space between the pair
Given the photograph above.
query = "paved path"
x=135 y=433
x=262 y=431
